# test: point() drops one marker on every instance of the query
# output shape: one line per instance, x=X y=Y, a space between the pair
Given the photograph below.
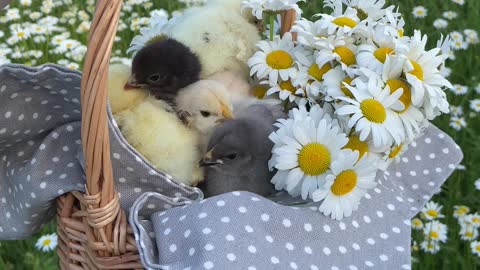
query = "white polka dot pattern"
x=272 y=236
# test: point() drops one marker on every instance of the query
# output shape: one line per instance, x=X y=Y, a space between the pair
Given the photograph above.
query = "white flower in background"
x=419 y=12
x=158 y=29
x=430 y=246
x=460 y=2
x=67 y=45
x=47 y=242
x=460 y=211
x=432 y=210
x=445 y=71
x=470 y=33
x=458 y=123
x=36 y=29
x=304 y=151
x=25 y=3
x=475 y=246
x=2 y=34
x=275 y=60
x=417 y=224
x=258 y=7
x=372 y=113
x=450 y=15
x=435 y=231
x=472 y=219
x=21 y=34
x=475 y=105
x=440 y=24
x=48 y=21
x=459 y=89
x=371 y=10
x=456 y=110
x=468 y=232
x=459 y=44
x=348 y=182
x=12 y=14
x=35 y=15
x=455 y=35
x=84 y=27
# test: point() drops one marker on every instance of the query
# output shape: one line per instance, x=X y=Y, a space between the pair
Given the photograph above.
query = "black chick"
x=163 y=68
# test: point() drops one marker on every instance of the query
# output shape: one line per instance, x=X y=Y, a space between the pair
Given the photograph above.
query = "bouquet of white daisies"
x=359 y=90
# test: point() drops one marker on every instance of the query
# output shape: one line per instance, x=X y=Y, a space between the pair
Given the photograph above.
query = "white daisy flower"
x=417 y=224
x=468 y=232
x=432 y=210
x=421 y=70
x=393 y=155
x=310 y=74
x=450 y=14
x=477 y=184
x=342 y=23
x=460 y=211
x=286 y=90
x=435 y=231
x=258 y=7
x=445 y=71
x=419 y=12
x=337 y=48
x=475 y=246
x=456 y=110
x=309 y=33
x=373 y=53
x=459 y=89
x=334 y=81
x=472 y=40
x=372 y=112
x=430 y=246
x=47 y=242
x=275 y=60
x=371 y=10
x=21 y=34
x=440 y=24
x=345 y=187
x=473 y=219
x=459 y=44
x=458 y=123
x=158 y=28
x=460 y=2
x=303 y=160
x=35 y=15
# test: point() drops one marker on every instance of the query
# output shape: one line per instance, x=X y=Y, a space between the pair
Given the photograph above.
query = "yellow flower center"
x=21 y=34
x=355 y=144
x=417 y=70
x=155 y=39
x=346 y=55
x=395 y=151
x=344 y=183
x=344 y=89
x=345 y=21
x=432 y=213
x=469 y=234
x=477 y=248
x=317 y=72
x=314 y=159
x=362 y=15
x=433 y=235
x=288 y=86
x=381 y=54
x=373 y=110
x=279 y=60
x=406 y=97
x=476 y=220
x=417 y=222
x=46 y=242
x=259 y=91
x=401 y=32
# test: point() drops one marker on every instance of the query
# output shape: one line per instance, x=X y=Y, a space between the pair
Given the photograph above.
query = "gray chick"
x=238 y=153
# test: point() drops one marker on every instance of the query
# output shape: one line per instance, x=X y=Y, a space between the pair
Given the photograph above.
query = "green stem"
x=272 y=25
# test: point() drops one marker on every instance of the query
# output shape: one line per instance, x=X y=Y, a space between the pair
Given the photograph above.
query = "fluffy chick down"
x=158 y=135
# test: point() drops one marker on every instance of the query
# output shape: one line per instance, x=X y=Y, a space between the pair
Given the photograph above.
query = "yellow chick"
x=224 y=41
x=204 y=105
x=157 y=134
x=118 y=75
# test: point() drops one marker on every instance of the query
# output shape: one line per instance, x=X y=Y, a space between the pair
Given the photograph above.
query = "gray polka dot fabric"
x=41 y=155
x=41 y=158
x=241 y=230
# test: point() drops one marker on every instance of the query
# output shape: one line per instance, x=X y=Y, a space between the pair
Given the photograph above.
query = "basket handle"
x=95 y=135
x=288 y=19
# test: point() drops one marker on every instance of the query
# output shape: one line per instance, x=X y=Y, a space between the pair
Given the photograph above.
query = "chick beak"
x=132 y=83
x=207 y=160
x=227 y=113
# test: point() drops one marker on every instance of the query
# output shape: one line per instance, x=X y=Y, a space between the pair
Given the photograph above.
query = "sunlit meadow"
x=445 y=234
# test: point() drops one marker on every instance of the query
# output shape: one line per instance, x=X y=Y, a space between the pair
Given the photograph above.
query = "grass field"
x=45 y=45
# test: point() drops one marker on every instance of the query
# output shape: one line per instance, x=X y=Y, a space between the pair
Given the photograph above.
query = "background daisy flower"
x=47 y=242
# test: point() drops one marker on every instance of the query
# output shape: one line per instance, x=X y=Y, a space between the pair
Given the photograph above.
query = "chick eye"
x=231 y=156
x=154 y=78
x=205 y=113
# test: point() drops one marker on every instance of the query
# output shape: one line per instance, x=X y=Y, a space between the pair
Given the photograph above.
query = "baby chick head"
x=163 y=67
x=228 y=149
x=204 y=104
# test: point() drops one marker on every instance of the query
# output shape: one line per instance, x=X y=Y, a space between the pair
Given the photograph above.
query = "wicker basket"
x=92 y=228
